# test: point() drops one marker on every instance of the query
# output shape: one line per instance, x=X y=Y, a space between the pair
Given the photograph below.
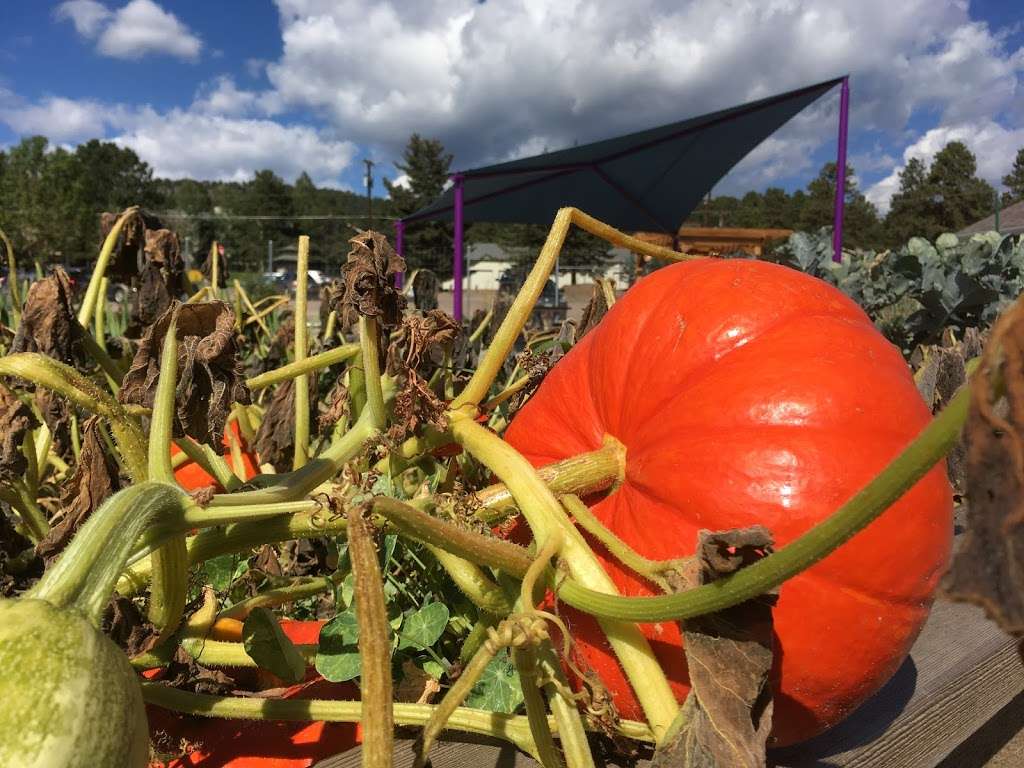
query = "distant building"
x=487 y=262
x=1011 y=222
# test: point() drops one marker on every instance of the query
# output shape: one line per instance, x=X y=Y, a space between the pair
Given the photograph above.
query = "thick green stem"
x=301 y=351
x=85 y=573
x=374 y=644
x=473 y=582
x=83 y=392
x=299 y=589
x=509 y=727
x=522 y=306
x=170 y=562
x=525 y=659
x=369 y=341
x=209 y=461
x=545 y=514
x=92 y=293
x=311 y=363
x=824 y=538
x=582 y=474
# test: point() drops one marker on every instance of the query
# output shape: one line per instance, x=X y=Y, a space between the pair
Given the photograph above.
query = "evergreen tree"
x=861 y=227
x=1014 y=180
x=912 y=210
x=960 y=197
x=426 y=165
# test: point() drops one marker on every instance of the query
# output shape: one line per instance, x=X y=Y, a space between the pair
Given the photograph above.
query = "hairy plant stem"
x=545 y=514
x=582 y=474
x=12 y=280
x=92 y=292
x=522 y=306
x=86 y=572
x=374 y=644
x=369 y=341
x=298 y=589
x=301 y=440
x=168 y=592
x=209 y=461
x=309 y=364
x=83 y=392
x=214 y=270
x=620 y=550
x=913 y=463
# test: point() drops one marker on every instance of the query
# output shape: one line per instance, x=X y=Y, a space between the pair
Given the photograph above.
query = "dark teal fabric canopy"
x=650 y=180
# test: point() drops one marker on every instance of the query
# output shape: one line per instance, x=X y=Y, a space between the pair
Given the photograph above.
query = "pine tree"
x=426 y=165
x=960 y=197
x=912 y=210
x=1014 y=180
x=861 y=227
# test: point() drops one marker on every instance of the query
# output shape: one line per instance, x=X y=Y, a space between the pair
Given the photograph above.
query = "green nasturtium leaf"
x=498 y=689
x=267 y=645
x=423 y=628
x=337 y=658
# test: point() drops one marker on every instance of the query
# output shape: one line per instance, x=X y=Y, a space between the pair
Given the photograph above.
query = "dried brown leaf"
x=416 y=404
x=421 y=342
x=595 y=310
x=57 y=417
x=16 y=421
x=988 y=567
x=95 y=478
x=266 y=561
x=727 y=716
x=425 y=287
x=209 y=372
x=48 y=322
x=124 y=623
x=275 y=439
x=338 y=405
x=369 y=282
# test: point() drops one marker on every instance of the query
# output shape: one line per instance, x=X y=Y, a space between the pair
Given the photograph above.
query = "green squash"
x=68 y=696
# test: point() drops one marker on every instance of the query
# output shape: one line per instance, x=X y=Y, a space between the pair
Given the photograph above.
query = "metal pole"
x=844 y=118
x=369 y=193
x=457 y=247
x=400 y=250
x=270 y=255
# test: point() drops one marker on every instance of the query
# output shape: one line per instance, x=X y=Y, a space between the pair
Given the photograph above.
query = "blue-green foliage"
x=914 y=292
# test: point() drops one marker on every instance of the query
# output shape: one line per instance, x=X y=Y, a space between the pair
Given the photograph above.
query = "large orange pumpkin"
x=747 y=393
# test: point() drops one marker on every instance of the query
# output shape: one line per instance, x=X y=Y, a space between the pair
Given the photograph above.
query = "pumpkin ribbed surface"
x=748 y=393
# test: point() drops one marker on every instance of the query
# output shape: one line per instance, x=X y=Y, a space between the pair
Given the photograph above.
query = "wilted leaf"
x=57 y=417
x=267 y=645
x=596 y=309
x=369 y=281
x=425 y=287
x=16 y=421
x=96 y=477
x=988 y=566
x=421 y=342
x=48 y=322
x=160 y=280
x=423 y=628
x=275 y=439
x=209 y=373
x=124 y=623
x=417 y=685
x=416 y=404
x=727 y=716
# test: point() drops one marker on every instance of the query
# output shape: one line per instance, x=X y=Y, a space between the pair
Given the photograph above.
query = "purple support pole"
x=844 y=119
x=400 y=250
x=457 y=256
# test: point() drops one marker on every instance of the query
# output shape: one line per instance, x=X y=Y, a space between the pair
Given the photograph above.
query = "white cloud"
x=994 y=146
x=180 y=144
x=87 y=16
x=139 y=28
x=489 y=77
x=57 y=118
x=222 y=96
x=187 y=143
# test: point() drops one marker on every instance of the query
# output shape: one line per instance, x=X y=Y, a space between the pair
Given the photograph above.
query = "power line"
x=240 y=217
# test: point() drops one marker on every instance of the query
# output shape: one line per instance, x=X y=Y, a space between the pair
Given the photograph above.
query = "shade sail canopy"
x=650 y=180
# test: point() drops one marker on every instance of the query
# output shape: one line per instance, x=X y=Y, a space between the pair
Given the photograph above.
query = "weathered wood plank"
x=961 y=671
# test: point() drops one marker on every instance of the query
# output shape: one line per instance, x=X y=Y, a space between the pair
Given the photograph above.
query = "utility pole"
x=369 y=192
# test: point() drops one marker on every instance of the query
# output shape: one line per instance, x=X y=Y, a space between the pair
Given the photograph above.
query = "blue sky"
x=219 y=90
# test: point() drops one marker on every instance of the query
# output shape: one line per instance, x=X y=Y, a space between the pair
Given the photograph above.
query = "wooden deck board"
x=960 y=673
